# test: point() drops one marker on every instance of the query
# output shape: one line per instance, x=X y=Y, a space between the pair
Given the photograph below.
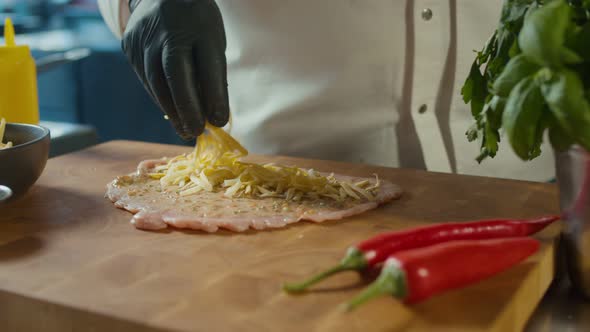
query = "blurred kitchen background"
x=93 y=99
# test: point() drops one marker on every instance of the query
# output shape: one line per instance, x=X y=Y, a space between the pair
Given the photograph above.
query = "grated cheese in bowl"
x=215 y=165
x=2 y=128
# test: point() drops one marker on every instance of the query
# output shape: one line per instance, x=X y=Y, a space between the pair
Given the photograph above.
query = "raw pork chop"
x=156 y=208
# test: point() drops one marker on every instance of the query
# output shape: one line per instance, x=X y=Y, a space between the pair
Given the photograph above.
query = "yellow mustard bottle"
x=18 y=81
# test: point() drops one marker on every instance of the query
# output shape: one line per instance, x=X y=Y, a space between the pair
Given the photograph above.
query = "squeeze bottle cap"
x=10 y=48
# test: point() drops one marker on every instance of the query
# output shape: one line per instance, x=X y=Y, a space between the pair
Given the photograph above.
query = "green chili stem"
x=353 y=261
x=391 y=281
x=300 y=287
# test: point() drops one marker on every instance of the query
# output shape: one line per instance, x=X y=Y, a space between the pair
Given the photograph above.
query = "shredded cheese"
x=2 y=127
x=215 y=165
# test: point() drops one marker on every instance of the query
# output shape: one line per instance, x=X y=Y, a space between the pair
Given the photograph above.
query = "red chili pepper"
x=415 y=275
x=374 y=251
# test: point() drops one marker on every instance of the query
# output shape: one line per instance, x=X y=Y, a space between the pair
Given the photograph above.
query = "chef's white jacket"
x=368 y=81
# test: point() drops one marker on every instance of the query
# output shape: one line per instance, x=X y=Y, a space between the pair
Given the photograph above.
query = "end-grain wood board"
x=71 y=261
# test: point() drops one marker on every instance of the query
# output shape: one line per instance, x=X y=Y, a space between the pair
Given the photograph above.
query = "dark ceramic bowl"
x=22 y=164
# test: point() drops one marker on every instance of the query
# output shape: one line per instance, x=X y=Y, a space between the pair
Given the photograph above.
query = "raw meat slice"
x=156 y=208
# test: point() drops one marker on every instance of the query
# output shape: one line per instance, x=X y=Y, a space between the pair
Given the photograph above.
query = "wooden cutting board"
x=70 y=261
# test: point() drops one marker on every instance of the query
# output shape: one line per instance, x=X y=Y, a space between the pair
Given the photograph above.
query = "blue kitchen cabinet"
x=104 y=92
x=57 y=90
x=112 y=99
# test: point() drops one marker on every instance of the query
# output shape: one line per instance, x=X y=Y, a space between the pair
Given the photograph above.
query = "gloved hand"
x=177 y=48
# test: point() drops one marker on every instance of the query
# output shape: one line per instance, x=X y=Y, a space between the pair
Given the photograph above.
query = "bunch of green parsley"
x=533 y=76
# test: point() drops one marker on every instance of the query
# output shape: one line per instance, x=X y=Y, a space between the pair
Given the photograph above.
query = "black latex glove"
x=177 y=48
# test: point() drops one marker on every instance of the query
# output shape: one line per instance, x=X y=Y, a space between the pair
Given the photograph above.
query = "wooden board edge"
x=532 y=289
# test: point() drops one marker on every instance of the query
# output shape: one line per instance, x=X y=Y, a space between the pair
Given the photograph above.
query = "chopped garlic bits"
x=215 y=165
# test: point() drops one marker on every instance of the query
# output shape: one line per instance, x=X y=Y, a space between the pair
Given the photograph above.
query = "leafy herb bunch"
x=533 y=75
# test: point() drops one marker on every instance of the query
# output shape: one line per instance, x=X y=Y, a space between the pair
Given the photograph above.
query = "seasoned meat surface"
x=157 y=208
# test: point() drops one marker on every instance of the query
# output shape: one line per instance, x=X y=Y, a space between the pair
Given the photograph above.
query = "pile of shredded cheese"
x=2 y=127
x=215 y=165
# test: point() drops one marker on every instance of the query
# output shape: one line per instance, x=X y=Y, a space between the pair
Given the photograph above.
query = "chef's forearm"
x=123 y=14
x=116 y=14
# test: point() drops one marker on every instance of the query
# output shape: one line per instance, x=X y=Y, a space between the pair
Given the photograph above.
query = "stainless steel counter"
x=562 y=309
x=69 y=137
